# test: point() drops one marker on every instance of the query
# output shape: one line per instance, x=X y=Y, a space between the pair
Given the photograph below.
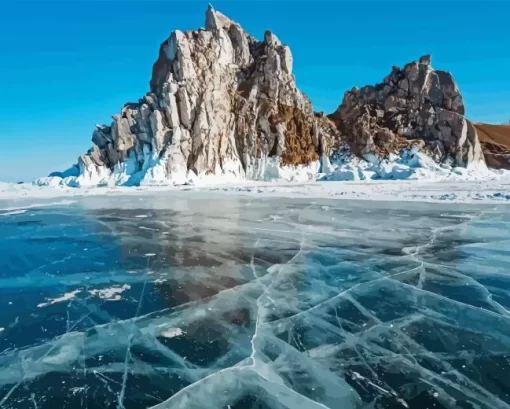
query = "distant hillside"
x=495 y=140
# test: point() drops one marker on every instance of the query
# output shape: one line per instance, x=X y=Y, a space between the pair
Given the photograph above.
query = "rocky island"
x=223 y=105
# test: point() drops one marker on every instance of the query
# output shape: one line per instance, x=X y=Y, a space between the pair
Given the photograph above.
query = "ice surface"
x=14 y=197
x=19 y=210
x=232 y=302
x=13 y=212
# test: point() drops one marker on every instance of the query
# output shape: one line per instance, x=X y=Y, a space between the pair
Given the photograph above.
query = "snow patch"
x=110 y=294
x=66 y=297
x=78 y=389
x=172 y=333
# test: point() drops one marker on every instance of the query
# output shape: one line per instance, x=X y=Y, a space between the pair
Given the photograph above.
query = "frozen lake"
x=186 y=301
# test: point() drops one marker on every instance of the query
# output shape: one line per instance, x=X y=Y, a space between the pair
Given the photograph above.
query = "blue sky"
x=66 y=65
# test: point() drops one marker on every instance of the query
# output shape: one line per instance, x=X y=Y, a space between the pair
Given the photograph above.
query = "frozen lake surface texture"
x=182 y=301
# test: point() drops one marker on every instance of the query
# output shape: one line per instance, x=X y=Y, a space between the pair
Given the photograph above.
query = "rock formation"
x=414 y=105
x=223 y=103
x=220 y=102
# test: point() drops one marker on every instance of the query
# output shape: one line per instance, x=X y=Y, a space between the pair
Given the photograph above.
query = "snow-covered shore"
x=405 y=191
x=411 y=177
x=14 y=196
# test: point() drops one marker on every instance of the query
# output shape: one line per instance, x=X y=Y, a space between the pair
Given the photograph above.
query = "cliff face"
x=414 y=105
x=225 y=104
x=220 y=102
x=495 y=141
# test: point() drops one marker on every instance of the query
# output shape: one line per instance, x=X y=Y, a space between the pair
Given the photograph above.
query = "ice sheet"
x=255 y=303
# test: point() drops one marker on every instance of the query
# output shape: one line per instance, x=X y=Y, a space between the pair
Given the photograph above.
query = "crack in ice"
x=120 y=402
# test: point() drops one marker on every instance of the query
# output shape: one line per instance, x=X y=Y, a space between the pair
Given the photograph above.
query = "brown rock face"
x=300 y=137
x=495 y=140
x=413 y=103
x=330 y=138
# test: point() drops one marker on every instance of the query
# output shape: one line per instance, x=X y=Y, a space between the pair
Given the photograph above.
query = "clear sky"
x=66 y=65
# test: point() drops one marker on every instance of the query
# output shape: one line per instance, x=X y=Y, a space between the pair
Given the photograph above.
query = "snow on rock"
x=411 y=164
x=263 y=169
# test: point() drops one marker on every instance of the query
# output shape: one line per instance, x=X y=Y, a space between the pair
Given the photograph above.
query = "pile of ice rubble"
x=343 y=166
x=411 y=164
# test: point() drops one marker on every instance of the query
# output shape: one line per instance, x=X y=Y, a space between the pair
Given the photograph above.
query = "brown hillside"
x=495 y=140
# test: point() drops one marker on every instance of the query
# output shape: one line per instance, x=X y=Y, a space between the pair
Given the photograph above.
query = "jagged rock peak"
x=214 y=20
x=220 y=102
x=426 y=60
x=416 y=104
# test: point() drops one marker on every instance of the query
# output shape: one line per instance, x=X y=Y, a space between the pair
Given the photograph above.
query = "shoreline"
x=480 y=191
